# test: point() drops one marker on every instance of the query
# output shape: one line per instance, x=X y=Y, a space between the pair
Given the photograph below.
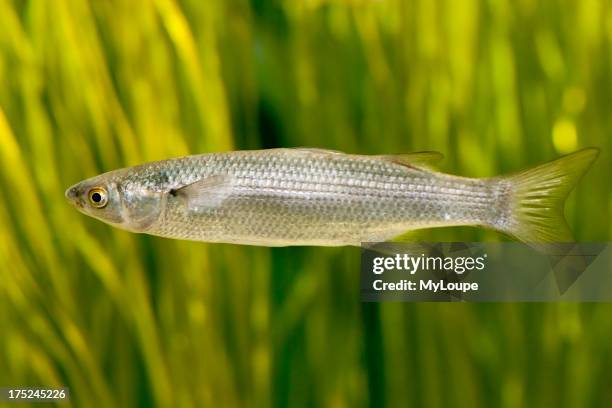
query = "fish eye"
x=98 y=197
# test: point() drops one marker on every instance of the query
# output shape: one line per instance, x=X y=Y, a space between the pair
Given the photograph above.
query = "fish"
x=319 y=197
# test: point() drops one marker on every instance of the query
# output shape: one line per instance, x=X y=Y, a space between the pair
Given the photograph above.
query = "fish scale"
x=321 y=199
x=302 y=196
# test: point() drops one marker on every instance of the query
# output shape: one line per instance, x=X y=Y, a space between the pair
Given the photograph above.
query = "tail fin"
x=538 y=196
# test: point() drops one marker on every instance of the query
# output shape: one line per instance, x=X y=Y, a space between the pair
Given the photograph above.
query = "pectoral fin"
x=206 y=192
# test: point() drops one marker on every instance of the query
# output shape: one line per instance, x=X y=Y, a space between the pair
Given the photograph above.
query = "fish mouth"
x=72 y=194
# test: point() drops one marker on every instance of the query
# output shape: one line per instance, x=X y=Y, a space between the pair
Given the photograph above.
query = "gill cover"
x=140 y=208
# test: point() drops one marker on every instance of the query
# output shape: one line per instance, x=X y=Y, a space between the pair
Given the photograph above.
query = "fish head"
x=117 y=199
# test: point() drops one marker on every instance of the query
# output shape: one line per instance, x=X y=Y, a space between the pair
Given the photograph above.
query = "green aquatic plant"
x=131 y=320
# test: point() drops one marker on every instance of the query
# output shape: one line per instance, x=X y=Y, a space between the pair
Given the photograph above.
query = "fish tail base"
x=537 y=198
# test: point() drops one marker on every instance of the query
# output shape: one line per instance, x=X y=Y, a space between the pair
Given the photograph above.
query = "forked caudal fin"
x=537 y=198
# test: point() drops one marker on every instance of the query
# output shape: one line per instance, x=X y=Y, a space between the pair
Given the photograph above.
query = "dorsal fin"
x=419 y=159
x=317 y=150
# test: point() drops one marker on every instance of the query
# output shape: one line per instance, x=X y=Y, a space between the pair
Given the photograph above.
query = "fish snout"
x=73 y=196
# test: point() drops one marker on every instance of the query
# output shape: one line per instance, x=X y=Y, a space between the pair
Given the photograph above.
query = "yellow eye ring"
x=98 y=197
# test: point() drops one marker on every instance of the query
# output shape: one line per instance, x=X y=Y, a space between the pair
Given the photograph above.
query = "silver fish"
x=303 y=196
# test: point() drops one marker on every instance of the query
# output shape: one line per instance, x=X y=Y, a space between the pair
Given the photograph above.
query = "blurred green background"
x=129 y=320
